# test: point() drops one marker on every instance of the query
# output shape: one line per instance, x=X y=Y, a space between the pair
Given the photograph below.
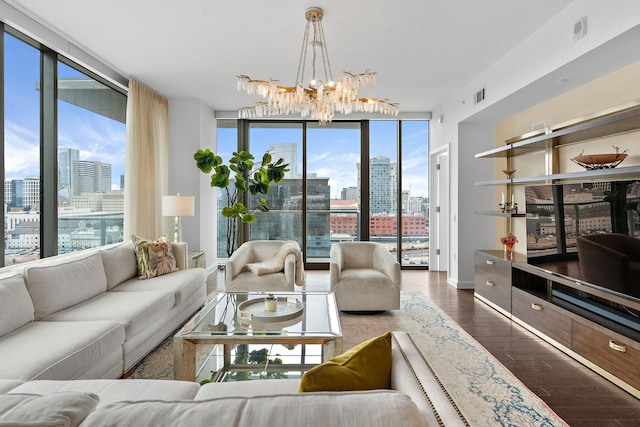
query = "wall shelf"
x=502 y=214
x=630 y=171
x=622 y=119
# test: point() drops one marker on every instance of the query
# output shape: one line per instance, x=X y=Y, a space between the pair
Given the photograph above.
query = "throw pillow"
x=57 y=409
x=366 y=366
x=155 y=257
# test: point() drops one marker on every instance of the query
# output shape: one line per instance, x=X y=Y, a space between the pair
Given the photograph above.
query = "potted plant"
x=248 y=178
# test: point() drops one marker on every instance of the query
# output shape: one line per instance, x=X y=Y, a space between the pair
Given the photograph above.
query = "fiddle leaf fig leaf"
x=249 y=218
x=228 y=212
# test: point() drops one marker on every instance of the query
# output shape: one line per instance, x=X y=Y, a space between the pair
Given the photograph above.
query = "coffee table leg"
x=184 y=360
x=331 y=348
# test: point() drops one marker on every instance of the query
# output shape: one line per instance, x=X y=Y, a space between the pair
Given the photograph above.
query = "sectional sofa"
x=86 y=315
x=415 y=399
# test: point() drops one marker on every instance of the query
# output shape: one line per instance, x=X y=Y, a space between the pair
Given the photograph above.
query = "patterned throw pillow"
x=155 y=257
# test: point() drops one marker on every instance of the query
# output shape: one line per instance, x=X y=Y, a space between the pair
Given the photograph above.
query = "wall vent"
x=479 y=96
x=538 y=126
x=580 y=28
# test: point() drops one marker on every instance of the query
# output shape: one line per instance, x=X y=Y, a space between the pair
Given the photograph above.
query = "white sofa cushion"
x=182 y=283
x=7 y=385
x=135 y=310
x=119 y=263
x=239 y=388
x=16 y=307
x=57 y=350
x=62 y=283
x=61 y=409
x=369 y=408
x=111 y=391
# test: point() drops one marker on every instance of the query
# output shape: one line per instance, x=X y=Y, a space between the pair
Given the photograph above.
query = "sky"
x=98 y=138
x=334 y=153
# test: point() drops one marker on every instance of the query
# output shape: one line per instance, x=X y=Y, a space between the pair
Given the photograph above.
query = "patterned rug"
x=486 y=392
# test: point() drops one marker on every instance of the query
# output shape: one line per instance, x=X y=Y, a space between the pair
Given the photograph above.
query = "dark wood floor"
x=577 y=394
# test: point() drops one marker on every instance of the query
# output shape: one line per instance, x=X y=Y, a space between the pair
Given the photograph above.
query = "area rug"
x=484 y=390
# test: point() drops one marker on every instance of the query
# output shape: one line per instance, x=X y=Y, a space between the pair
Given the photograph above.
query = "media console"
x=594 y=325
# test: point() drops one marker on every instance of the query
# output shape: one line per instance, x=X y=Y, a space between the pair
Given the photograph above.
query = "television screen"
x=557 y=213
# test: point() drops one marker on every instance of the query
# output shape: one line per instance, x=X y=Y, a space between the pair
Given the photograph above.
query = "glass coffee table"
x=244 y=333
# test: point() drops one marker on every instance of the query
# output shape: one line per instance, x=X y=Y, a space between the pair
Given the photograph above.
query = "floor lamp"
x=178 y=206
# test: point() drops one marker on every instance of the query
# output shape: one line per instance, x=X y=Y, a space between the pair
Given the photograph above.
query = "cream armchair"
x=364 y=277
x=247 y=269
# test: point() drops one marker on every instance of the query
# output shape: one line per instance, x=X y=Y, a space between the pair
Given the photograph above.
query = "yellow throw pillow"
x=366 y=366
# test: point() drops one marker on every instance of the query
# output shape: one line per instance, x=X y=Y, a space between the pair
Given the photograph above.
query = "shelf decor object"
x=601 y=161
x=508 y=172
x=508 y=242
x=320 y=99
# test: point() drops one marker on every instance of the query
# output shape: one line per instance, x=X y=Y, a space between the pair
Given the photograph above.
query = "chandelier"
x=321 y=98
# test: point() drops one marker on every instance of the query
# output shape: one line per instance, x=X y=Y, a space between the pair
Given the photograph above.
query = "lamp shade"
x=178 y=205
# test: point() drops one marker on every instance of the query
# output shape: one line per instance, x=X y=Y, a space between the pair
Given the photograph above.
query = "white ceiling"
x=422 y=50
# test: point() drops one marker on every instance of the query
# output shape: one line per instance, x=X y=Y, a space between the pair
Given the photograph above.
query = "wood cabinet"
x=493 y=279
x=549 y=320
x=612 y=352
x=586 y=321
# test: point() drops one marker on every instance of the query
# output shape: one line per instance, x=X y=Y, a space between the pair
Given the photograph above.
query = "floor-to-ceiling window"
x=321 y=200
x=91 y=150
x=21 y=151
x=384 y=179
x=332 y=190
x=415 y=194
x=283 y=140
x=63 y=147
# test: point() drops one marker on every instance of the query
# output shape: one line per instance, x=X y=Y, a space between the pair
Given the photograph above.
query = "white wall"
x=191 y=127
x=522 y=78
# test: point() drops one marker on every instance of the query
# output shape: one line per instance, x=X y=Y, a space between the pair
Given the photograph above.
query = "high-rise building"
x=67 y=174
x=31 y=193
x=381 y=194
x=287 y=151
x=349 y=193
x=93 y=177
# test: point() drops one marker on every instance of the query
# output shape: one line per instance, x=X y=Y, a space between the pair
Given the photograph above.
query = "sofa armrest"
x=181 y=253
x=411 y=375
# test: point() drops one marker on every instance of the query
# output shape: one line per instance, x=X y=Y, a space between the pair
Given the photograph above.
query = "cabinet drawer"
x=493 y=280
x=542 y=315
x=612 y=352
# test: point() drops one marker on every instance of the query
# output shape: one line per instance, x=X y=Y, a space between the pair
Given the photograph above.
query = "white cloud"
x=22 y=151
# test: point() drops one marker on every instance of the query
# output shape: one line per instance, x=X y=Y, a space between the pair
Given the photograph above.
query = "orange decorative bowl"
x=599 y=161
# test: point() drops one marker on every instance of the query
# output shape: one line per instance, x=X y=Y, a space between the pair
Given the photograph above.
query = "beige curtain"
x=147 y=161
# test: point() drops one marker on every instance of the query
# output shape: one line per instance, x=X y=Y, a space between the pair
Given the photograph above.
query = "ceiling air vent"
x=479 y=96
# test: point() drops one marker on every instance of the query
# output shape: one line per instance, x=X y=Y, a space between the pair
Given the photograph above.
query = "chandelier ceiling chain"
x=321 y=99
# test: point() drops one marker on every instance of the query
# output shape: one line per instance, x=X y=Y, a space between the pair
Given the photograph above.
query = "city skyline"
x=337 y=160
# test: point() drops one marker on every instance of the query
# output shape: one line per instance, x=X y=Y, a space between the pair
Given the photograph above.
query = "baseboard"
x=460 y=285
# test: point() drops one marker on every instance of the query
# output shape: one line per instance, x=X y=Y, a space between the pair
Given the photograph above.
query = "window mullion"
x=48 y=154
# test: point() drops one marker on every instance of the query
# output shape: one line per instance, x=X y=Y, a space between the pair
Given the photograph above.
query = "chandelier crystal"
x=321 y=99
